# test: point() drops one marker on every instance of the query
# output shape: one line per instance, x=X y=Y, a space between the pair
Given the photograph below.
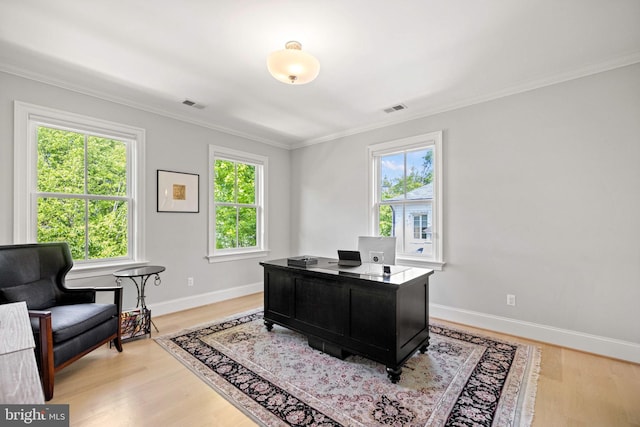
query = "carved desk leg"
x=269 y=325
x=394 y=374
x=423 y=347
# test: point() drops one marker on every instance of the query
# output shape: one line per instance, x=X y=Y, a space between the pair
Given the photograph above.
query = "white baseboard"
x=194 y=301
x=604 y=346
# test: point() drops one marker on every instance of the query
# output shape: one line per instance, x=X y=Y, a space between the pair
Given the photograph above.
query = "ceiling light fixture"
x=292 y=65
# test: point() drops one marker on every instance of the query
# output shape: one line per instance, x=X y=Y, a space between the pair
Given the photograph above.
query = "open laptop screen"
x=349 y=258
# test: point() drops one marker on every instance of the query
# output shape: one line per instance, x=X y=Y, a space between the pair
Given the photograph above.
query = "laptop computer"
x=349 y=258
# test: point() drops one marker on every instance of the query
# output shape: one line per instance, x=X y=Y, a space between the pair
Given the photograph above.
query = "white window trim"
x=225 y=255
x=26 y=118
x=432 y=138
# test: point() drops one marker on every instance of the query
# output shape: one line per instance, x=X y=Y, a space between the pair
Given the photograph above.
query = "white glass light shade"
x=292 y=65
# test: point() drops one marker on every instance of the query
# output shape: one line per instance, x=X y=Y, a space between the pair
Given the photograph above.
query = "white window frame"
x=27 y=119
x=375 y=152
x=262 y=168
x=420 y=222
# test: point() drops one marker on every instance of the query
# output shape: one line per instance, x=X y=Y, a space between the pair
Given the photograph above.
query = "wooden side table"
x=137 y=323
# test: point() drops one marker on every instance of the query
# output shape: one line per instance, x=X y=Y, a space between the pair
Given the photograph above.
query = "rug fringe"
x=529 y=394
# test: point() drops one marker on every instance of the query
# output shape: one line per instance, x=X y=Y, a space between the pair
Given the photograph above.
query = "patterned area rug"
x=464 y=379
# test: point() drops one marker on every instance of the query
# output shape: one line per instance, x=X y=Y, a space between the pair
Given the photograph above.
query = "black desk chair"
x=67 y=323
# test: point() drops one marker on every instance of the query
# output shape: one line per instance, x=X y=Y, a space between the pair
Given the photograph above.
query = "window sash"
x=260 y=164
x=237 y=205
x=85 y=195
x=27 y=119
x=431 y=140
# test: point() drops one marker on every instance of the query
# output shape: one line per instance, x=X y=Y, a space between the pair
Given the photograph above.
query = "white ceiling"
x=431 y=55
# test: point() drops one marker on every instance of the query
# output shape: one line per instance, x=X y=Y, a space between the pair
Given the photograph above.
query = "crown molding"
x=527 y=86
x=545 y=81
x=41 y=78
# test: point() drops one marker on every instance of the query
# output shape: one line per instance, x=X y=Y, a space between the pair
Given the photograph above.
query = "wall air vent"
x=395 y=108
x=193 y=104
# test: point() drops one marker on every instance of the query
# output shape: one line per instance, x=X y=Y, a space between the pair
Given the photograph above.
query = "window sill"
x=236 y=256
x=420 y=262
x=83 y=271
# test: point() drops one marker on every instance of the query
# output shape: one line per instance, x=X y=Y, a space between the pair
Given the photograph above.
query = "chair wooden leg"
x=47 y=370
x=118 y=343
x=117 y=300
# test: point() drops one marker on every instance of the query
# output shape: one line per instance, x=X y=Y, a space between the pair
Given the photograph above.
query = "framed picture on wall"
x=178 y=192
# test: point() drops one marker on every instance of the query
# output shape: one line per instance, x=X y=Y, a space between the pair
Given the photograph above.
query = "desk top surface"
x=140 y=271
x=372 y=272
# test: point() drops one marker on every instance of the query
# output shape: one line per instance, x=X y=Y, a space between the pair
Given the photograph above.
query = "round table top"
x=139 y=271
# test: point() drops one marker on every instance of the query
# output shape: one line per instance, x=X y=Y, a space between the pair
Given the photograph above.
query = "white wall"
x=176 y=240
x=542 y=200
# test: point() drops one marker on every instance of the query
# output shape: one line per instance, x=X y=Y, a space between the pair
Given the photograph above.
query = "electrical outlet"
x=511 y=299
x=189 y=281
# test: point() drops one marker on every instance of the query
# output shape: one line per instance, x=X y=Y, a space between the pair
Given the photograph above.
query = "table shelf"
x=135 y=323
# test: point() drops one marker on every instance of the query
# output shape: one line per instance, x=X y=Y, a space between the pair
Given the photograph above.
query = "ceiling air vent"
x=395 y=108
x=193 y=104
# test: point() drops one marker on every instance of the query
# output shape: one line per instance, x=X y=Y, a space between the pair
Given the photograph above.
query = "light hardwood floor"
x=145 y=386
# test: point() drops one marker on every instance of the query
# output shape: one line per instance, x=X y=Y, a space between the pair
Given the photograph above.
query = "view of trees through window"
x=401 y=173
x=82 y=193
x=235 y=204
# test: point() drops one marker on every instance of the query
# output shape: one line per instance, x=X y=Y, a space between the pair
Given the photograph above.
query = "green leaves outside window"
x=235 y=200
x=82 y=189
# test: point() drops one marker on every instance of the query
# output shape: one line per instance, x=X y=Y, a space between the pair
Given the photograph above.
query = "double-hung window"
x=78 y=180
x=406 y=197
x=237 y=204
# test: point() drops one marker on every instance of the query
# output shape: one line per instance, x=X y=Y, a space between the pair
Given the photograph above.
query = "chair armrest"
x=39 y=313
x=86 y=294
x=117 y=294
x=44 y=319
x=92 y=289
x=108 y=288
x=44 y=350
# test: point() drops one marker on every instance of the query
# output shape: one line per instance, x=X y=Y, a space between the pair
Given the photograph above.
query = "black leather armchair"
x=67 y=322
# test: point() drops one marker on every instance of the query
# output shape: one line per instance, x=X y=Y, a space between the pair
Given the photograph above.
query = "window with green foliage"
x=237 y=202
x=79 y=182
x=82 y=193
x=406 y=188
x=236 y=209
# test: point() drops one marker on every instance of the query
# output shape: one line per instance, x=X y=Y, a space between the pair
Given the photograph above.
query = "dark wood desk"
x=383 y=318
